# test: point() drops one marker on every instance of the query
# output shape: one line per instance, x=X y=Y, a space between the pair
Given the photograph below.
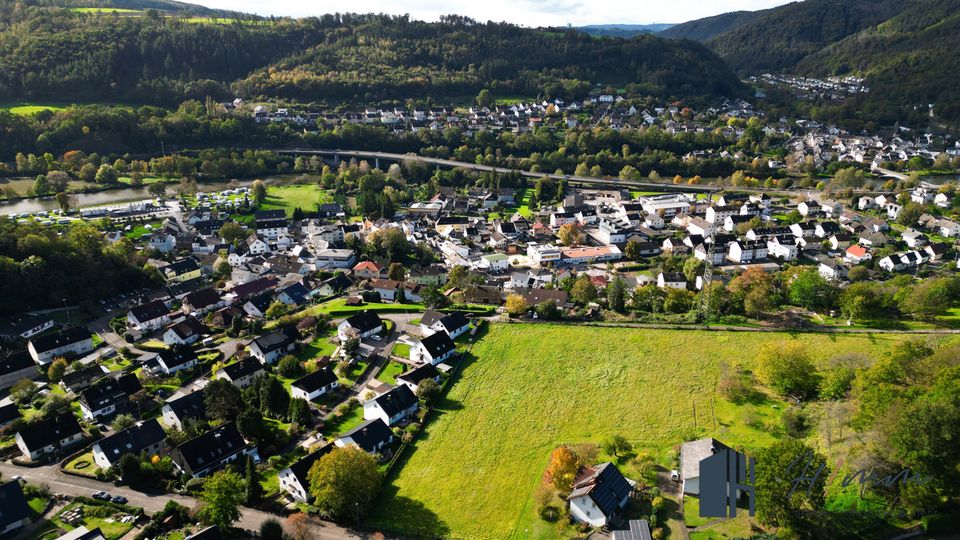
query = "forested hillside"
x=59 y=54
x=912 y=57
x=703 y=29
x=783 y=36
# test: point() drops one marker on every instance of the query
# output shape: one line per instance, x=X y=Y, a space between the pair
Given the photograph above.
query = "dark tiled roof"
x=132 y=440
x=9 y=413
x=419 y=373
x=150 y=310
x=13 y=505
x=49 y=432
x=605 y=486
x=173 y=359
x=273 y=340
x=243 y=368
x=397 y=400
x=190 y=406
x=82 y=376
x=210 y=448
x=370 y=434
x=202 y=298
x=316 y=380
x=15 y=362
x=301 y=467
x=364 y=321
x=108 y=390
x=454 y=321
x=60 y=339
x=438 y=344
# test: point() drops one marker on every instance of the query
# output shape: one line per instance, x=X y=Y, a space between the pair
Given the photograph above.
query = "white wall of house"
x=290 y=484
x=583 y=510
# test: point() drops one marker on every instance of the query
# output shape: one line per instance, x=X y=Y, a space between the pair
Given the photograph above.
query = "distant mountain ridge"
x=704 y=29
x=623 y=30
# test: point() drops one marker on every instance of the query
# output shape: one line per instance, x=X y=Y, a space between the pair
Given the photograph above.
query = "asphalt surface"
x=58 y=482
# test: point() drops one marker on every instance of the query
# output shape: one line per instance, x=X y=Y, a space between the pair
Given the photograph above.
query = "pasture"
x=526 y=389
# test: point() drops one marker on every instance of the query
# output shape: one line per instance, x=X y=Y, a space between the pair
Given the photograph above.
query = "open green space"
x=287 y=198
x=390 y=372
x=402 y=350
x=83 y=464
x=526 y=389
x=26 y=108
x=103 y=516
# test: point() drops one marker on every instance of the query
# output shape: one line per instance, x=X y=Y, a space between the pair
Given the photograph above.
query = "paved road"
x=58 y=482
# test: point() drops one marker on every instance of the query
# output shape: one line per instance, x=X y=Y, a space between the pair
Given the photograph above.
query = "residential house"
x=149 y=317
x=433 y=349
x=108 y=396
x=15 y=366
x=334 y=258
x=270 y=347
x=50 y=436
x=178 y=412
x=368 y=270
x=202 y=301
x=333 y=285
x=294 y=480
x=78 y=379
x=295 y=294
x=171 y=361
x=413 y=377
x=26 y=326
x=857 y=254
x=212 y=451
x=185 y=332
x=314 y=385
x=69 y=343
x=257 y=306
x=8 y=414
x=16 y=511
x=360 y=325
x=371 y=436
x=143 y=437
x=831 y=269
x=392 y=407
x=241 y=373
x=671 y=280
x=914 y=238
x=181 y=271
x=691 y=453
x=599 y=495
x=454 y=324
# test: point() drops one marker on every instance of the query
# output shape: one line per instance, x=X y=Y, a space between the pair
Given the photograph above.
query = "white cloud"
x=526 y=12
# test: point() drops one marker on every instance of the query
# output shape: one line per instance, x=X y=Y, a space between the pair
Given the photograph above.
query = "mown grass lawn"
x=528 y=388
x=287 y=198
x=402 y=350
x=338 y=308
x=390 y=372
x=27 y=108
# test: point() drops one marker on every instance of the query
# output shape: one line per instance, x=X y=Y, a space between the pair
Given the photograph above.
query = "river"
x=128 y=194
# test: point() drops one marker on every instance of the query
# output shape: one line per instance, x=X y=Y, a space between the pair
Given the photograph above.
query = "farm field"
x=528 y=388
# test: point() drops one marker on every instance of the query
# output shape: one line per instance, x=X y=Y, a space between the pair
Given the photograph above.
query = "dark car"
x=101 y=495
x=119 y=499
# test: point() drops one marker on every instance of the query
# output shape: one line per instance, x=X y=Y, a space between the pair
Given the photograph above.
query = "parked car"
x=119 y=499
x=101 y=495
x=674 y=475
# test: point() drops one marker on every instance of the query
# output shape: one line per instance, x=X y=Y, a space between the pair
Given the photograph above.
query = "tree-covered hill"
x=781 y=37
x=703 y=29
x=58 y=54
x=911 y=58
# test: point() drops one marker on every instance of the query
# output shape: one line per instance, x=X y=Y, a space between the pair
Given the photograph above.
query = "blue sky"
x=525 y=12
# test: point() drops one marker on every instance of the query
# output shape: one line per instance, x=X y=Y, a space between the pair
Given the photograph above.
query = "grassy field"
x=527 y=388
x=287 y=198
x=26 y=108
x=339 y=308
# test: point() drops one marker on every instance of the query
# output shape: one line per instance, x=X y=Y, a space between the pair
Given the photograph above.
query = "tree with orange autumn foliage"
x=562 y=469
